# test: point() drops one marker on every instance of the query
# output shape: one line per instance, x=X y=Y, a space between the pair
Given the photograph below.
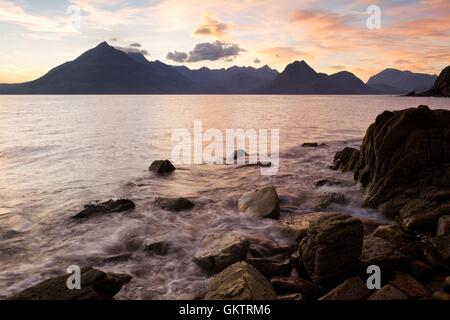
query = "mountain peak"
x=299 y=67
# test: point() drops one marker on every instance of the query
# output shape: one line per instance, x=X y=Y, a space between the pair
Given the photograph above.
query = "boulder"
x=390 y=233
x=325 y=199
x=162 y=166
x=420 y=270
x=440 y=295
x=346 y=159
x=443 y=226
x=438 y=252
x=388 y=292
x=240 y=281
x=404 y=163
x=291 y=284
x=297 y=226
x=95 y=285
x=109 y=206
x=351 y=289
x=329 y=182
x=173 y=204
x=160 y=248
x=310 y=145
x=218 y=251
x=377 y=251
x=409 y=286
x=332 y=247
x=261 y=203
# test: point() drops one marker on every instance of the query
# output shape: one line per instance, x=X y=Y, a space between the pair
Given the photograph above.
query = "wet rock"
x=438 y=252
x=218 y=251
x=240 y=281
x=297 y=226
x=290 y=296
x=332 y=247
x=109 y=206
x=351 y=289
x=329 y=182
x=409 y=286
x=390 y=233
x=346 y=159
x=310 y=145
x=388 y=292
x=440 y=295
x=420 y=270
x=325 y=199
x=377 y=251
x=173 y=204
x=95 y=285
x=443 y=227
x=160 y=248
x=296 y=285
x=162 y=166
x=261 y=203
x=275 y=265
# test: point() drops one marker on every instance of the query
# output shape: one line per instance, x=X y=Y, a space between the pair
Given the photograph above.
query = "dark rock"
x=329 y=182
x=325 y=199
x=390 y=233
x=261 y=203
x=332 y=247
x=240 y=281
x=447 y=284
x=162 y=166
x=296 y=285
x=409 y=286
x=346 y=159
x=420 y=270
x=388 y=292
x=239 y=154
x=109 y=206
x=438 y=252
x=160 y=248
x=297 y=226
x=218 y=251
x=441 y=87
x=95 y=285
x=290 y=296
x=440 y=295
x=377 y=251
x=310 y=145
x=443 y=227
x=173 y=204
x=351 y=289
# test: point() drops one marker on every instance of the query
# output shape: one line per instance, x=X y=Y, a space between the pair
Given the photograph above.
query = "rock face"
x=220 y=251
x=173 y=204
x=162 y=166
x=441 y=87
x=109 y=206
x=351 y=289
x=404 y=163
x=261 y=203
x=95 y=285
x=332 y=246
x=240 y=281
x=346 y=159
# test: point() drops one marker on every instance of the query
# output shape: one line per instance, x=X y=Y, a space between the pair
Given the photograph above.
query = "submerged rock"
x=162 y=166
x=218 y=251
x=240 y=281
x=261 y=203
x=310 y=145
x=95 y=285
x=351 y=289
x=160 y=248
x=332 y=247
x=109 y=206
x=173 y=204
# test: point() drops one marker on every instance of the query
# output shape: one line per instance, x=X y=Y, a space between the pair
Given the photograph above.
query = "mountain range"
x=107 y=70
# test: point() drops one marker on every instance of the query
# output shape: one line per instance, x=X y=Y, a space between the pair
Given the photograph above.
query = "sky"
x=331 y=36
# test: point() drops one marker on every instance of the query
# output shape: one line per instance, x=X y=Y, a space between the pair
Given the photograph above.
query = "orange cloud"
x=212 y=27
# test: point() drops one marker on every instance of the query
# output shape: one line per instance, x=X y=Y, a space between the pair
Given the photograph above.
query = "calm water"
x=58 y=153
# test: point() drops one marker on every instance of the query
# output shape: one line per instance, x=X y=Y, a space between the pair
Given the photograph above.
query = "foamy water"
x=58 y=153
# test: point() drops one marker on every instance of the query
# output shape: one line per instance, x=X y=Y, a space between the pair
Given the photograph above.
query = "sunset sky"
x=37 y=35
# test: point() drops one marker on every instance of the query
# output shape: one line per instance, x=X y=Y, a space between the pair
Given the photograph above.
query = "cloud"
x=211 y=27
x=210 y=51
x=337 y=67
x=256 y=61
x=135 y=45
x=133 y=50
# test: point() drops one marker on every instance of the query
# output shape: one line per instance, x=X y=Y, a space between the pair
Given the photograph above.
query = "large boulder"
x=377 y=251
x=162 y=167
x=404 y=163
x=218 y=251
x=438 y=252
x=351 y=289
x=409 y=286
x=332 y=247
x=261 y=203
x=240 y=281
x=297 y=226
x=109 y=206
x=95 y=285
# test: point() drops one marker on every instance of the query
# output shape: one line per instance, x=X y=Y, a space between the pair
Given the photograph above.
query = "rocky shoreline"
x=404 y=166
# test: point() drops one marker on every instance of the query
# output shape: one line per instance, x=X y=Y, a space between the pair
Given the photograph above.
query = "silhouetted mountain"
x=106 y=70
x=299 y=78
x=441 y=87
x=396 y=81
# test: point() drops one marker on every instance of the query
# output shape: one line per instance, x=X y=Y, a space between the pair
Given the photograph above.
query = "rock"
x=290 y=296
x=173 y=204
x=409 y=286
x=351 y=289
x=447 y=284
x=443 y=227
x=438 y=252
x=160 y=248
x=441 y=87
x=440 y=295
x=377 y=251
x=346 y=159
x=420 y=270
x=239 y=154
x=109 y=206
x=325 y=199
x=275 y=265
x=310 y=145
x=95 y=285
x=218 y=251
x=261 y=203
x=240 y=281
x=390 y=233
x=332 y=246
x=329 y=182
x=404 y=163
x=296 y=285
x=388 y=292
x=297 y=226
x=162 y=166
